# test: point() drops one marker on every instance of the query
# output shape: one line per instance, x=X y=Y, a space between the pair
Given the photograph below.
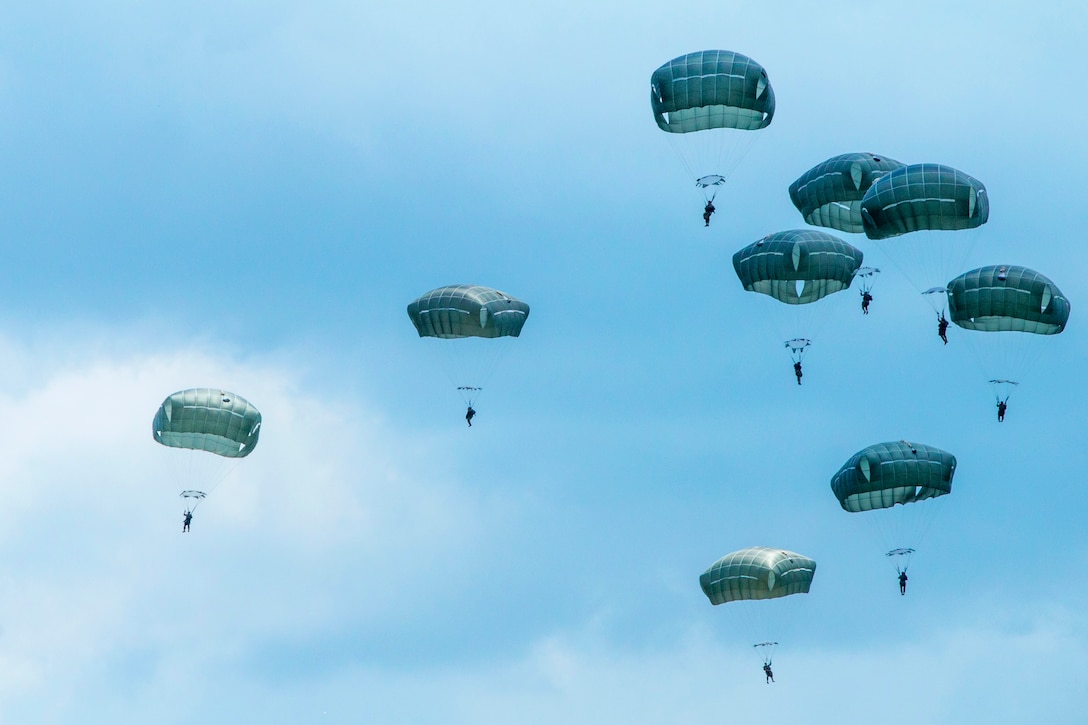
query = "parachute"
x=747 y=577
x=470 y=323
x=757 y=573
x=797 y=268
x=709 y=97
x=923 y=196
x=208 y=419
x=891 y=483
x=1013 y=309
x=830 y=193
x=1007 y=298
x=911 y=207
x=203 y=421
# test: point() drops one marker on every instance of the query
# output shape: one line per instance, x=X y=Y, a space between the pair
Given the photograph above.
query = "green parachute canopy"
x=757 y=573
x=711 y=89
x=464 y=310
x=208 y=419
x=1007 y=298
x=899 y=472
x=830 y=193
x=798 y=266
x=923 y=196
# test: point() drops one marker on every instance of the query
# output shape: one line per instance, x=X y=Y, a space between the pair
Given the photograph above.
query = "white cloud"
x=326 y=528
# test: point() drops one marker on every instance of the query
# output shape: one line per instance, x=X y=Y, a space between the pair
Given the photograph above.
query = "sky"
x=247 y=195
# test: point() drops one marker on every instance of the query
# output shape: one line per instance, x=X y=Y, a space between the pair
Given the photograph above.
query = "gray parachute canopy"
x=923 y=196
x=757 y=573
x=711 y=89
x=208 y=419
x=830 y=193
x=468 y=311
x=776 y=264
x=1007 y=298
x=885 y=474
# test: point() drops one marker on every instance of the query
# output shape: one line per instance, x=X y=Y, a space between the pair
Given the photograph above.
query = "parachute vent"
x=856 y=174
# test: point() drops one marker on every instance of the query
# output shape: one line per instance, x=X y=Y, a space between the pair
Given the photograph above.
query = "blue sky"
x=247 y=195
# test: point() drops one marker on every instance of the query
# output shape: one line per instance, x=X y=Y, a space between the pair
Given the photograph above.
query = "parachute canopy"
x=711 y=89
x=797 y=267
x=885 y=474
x=468 y=311
x=830 y=193
x=757 y=573
x=1007 y=298
x=208 y=419
x=923 y=196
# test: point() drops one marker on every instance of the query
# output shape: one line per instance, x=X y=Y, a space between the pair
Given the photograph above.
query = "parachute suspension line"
x=901 y=528
x=223 y=475
x=469 y=394
x=494 y=352
x=886 y=527
x=1003 y=358
x=929 y=258
x=440 y=361
x=797 y=348
x=937 y=297
x=766 y=651
x=195 y=497
x=677 y=146
x=761 y=622
x=866 y=276
x=927 y=518
x=1002 y=386
x=711 y=152
x=469 y=363
x=197 y=467
x=900 y=555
